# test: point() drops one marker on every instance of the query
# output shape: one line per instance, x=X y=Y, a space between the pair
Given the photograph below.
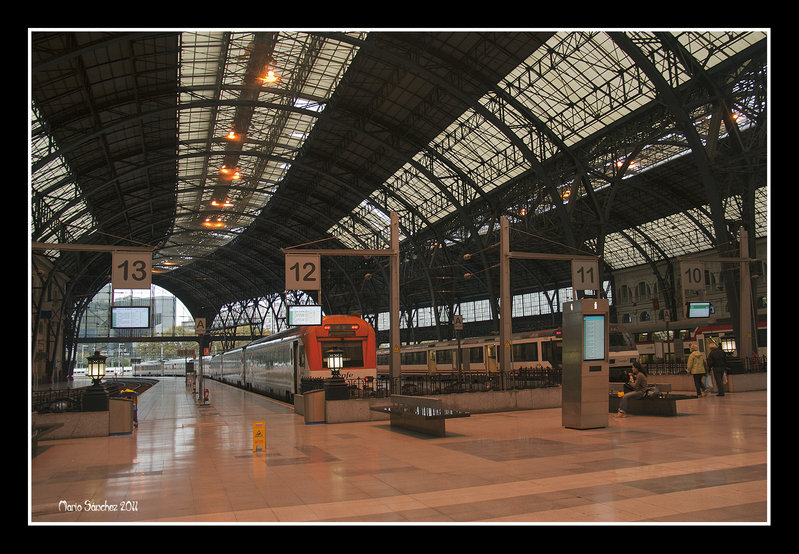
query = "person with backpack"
x=717 y=362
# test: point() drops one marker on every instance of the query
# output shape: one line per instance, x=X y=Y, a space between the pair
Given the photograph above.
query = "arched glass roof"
x=587 y=137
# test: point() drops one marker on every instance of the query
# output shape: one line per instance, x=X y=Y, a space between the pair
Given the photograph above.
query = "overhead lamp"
x=221 y=203
x=232 y=136
x=213 y=223
x=224 y=170
x=270 y=77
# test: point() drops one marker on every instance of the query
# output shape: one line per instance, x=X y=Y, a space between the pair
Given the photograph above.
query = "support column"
x=505 y=314
x=394 y=306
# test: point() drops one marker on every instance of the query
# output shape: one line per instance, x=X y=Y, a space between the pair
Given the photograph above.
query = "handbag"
x=708 y=381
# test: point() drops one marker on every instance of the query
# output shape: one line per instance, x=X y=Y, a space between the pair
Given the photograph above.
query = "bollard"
x=259 y=435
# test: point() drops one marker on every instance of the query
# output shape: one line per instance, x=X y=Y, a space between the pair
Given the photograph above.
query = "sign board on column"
x=692 y=274
x=303 y=272
x=585 y=275
x=131 y=270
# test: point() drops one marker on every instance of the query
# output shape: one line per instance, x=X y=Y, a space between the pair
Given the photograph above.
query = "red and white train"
x=275 y=365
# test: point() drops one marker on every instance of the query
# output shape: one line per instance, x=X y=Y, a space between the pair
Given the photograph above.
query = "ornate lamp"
x=96 y=369
x=335 y=361
x=95 y=397
x=336 y=386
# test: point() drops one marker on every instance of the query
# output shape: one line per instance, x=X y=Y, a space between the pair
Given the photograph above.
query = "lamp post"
x=96 y=370
x=335 y=361
x=335 y=386
x=95 y=397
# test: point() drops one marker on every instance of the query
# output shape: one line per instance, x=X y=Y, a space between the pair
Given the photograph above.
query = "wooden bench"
x=419 y=413
x=663 y=405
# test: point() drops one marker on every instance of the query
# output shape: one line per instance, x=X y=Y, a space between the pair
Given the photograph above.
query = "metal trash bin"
x=314 y=406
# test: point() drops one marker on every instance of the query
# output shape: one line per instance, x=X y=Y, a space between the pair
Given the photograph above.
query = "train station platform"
x=188 y=464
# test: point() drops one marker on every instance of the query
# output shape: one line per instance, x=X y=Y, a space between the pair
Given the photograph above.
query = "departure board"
x=305 y=315
x=593 y=337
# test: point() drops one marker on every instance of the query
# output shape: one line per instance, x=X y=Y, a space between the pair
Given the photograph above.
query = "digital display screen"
x=698 y=309
x=130 y=317
x=305 y=315
x=593 y=337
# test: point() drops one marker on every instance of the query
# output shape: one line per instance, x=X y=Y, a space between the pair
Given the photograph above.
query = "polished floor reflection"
x=187 y=463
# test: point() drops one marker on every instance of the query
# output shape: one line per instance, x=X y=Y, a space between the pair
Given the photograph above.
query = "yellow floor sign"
x=258 y=435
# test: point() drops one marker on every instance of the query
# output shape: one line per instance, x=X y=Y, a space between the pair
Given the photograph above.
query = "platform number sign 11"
x=131 y=270
x=303 y=272
x=585 y=275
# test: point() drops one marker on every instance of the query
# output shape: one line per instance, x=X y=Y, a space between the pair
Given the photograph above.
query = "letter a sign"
x=199 y=326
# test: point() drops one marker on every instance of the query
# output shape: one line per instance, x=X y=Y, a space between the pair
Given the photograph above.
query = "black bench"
x=420 y=414
x=38 y=432
x=619 y=387
x=664 y=404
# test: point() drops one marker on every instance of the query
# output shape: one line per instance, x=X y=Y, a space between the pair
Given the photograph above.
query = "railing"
x=734 y=366
x=71 y=399
x=63 y=400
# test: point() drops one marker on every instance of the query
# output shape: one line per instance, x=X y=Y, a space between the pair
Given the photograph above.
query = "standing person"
x=639 y=386
x=717 y=362
x=697 y=366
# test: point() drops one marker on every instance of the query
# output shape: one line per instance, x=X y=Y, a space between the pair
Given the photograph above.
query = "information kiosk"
x=585 y=363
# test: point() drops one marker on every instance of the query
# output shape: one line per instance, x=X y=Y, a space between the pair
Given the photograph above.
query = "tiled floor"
x=187 y=463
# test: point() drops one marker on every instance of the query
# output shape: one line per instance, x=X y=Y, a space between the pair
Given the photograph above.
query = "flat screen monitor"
x=593 y=337
x=305 y=315
x=130 y=317
x=699 y=309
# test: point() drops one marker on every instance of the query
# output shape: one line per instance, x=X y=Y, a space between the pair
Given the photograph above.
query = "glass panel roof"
x=578 y=84
x=65 y=214
x=306 y=70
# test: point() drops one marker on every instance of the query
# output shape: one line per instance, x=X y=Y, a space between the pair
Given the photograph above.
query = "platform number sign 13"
x=131 y=270
x=303 y=272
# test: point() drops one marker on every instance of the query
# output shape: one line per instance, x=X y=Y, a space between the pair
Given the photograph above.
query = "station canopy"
x=219 y=149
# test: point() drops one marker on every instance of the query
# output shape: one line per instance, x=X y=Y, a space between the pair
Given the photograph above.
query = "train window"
x=353 y=352
x=444 y=356
x=525 y=352
x=476 y=355
x=418 y=357
x=552 y=352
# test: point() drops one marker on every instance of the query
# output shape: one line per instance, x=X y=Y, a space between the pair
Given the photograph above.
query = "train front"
x=350 y=335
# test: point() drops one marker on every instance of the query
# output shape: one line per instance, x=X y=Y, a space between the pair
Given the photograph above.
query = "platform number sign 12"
x=131 y=270
x=303 y=272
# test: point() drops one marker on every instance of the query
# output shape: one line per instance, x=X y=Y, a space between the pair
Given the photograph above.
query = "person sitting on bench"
x=639 y=387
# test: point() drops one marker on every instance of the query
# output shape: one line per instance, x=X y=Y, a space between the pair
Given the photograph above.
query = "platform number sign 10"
x=585 y=275
x=131 y=270
x=693 y=275
x=303 y=272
